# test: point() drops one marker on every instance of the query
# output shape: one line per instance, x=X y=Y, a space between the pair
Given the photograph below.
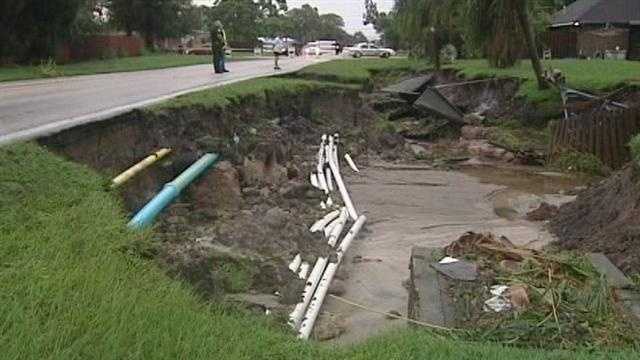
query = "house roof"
x=599 y=12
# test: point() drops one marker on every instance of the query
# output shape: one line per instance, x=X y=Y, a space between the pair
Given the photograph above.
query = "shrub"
x=634 y=145
x=575 y=161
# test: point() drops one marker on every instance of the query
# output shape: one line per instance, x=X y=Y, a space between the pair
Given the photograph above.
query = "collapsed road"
x=31 y=109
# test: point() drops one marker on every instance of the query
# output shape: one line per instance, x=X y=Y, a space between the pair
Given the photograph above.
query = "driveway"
x=31 y=109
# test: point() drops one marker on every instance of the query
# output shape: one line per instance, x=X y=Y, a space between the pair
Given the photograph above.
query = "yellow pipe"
x=135 y=169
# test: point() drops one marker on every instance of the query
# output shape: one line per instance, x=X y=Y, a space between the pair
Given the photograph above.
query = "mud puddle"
x=403 y=213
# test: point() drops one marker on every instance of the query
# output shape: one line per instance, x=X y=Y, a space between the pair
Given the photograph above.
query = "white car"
x=320 y=47
x=368 y=49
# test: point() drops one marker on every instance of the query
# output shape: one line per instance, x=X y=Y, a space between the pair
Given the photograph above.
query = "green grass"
x=233 y=93
x=359 y=71
x=588 y=75
x=146 y=62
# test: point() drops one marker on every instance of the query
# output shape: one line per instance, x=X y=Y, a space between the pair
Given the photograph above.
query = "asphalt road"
x=31 y=109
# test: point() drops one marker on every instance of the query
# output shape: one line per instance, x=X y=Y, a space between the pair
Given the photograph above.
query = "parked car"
x=320 y=47
x=368 y=49
x=203 y=50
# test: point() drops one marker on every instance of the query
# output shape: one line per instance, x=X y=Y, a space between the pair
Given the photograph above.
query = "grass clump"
x=575 y=161
x=588 y=75
x=359 y=71
x=256 y=89
x=513 y=135
x=634 y=145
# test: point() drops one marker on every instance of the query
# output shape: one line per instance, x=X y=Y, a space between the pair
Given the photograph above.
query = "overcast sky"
x=350 y=10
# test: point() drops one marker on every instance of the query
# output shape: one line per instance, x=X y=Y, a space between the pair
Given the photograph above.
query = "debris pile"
x=326 y=178
x=502 y=292
x=605 y=218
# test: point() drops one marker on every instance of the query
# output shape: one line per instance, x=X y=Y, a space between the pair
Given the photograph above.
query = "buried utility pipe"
x=314 y=180
x=316 y=303
x=304 y=270
x=171 y=191
x=295 y=264
x=295 y=318
x=353 y=232
x=135 y=169
x=351 y=163
x=337 y=229
x=343 y=190
x=322 y=223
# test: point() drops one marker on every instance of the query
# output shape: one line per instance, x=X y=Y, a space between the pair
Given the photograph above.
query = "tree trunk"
x=522 y=9
x=435 y=45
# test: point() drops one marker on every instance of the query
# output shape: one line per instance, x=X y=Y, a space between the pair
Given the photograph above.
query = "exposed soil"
x=237 y=227
x=605 y=218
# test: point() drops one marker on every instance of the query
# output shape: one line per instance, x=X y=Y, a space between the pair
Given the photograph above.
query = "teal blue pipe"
x=171 y=191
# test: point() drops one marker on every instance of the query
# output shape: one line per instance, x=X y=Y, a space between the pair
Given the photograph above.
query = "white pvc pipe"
x=295 y=264
x=322 y=223
x=304 y=270
x=295 y=318
x=343 y=191
x=352 y=164
x=314 y=180
x=316 y=303
x=353 y=232
x=337 y=230
x=335 y=150
x=329 y=228
x=327 y=173
x=329 y=202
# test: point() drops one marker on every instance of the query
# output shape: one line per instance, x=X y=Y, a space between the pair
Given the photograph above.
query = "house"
x=596 y=28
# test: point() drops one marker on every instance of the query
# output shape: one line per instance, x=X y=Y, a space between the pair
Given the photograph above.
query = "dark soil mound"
x=605 y=218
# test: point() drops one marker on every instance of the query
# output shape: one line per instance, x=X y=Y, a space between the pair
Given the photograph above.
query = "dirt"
x=236 y=228
x=544 y=212
x=605 y=218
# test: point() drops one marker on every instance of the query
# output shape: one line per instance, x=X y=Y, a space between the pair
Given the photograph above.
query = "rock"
x=418 y=150
x=265 y=192
x=460 y=270
x=511 y=265
x=473 y=132
x=210 y=143
x=328 y=326
x=292 y=171
x=517 y=294
x=294 y=190
x=391 y=141
x=544 y=212
x=250 y=191
x=473 y=119
x=219 y=189
x=276 y=217
x=337 y=287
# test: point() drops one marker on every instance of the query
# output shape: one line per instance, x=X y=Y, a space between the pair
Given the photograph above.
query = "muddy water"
x=416 y=206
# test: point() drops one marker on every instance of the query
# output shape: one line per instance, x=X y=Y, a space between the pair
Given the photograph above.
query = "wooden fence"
x=604 y=134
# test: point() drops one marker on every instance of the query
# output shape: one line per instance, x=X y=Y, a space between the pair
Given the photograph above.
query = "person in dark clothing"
x=218 y=46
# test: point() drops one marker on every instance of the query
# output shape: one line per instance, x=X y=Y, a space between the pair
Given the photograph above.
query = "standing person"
x=218 y=45
x=279 y=48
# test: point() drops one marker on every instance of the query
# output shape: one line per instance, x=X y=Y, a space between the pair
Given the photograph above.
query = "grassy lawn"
x=588 y=75
x=146 y=62
x=71 y=288
x=358 y=71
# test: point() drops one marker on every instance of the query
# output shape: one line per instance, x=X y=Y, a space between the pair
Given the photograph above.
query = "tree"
x=522 y=9
x=154 y=19
x=32 y=29
x=359 y=37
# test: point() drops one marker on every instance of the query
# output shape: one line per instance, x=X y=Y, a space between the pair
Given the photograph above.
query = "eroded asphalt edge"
x=61 y=125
